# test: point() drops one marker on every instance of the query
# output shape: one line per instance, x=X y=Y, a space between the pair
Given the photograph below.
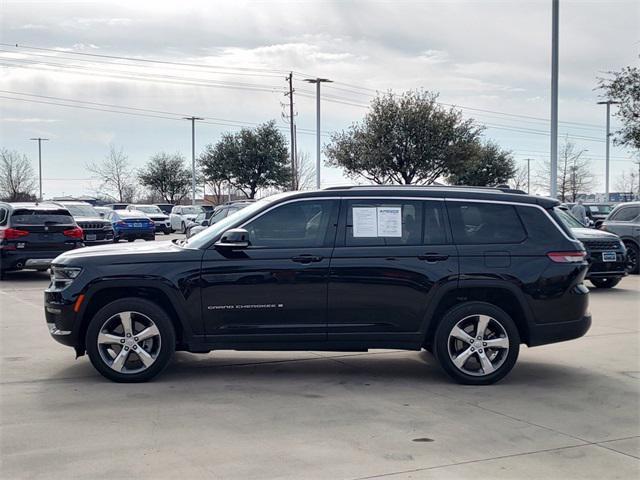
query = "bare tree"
x=574 y=173
x=17 y=180
x=520 y=180
x=116 y=175
x=305 y=171
x=629 y=182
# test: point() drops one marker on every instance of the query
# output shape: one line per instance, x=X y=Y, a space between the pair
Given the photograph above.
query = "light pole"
x=318 y=81
x=193 y=156
x=608 y=103
x=40 y=140
x=555 y=7
x=528 y=176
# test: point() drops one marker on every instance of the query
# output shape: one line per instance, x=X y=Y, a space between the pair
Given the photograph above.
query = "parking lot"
x=569 y=410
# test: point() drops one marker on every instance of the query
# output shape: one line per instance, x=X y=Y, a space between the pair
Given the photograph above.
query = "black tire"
x=116 y=239
x=469 y=310
x=145 y=307
x=633 y=263
x=183 y=228
x=606 y=282
x=131 y=239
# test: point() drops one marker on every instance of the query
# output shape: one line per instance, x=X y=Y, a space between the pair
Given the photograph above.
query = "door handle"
x=433 y=257
x=306 y=258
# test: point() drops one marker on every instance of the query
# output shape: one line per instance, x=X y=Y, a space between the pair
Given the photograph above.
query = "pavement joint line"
x=602 y=445
x=488 y=459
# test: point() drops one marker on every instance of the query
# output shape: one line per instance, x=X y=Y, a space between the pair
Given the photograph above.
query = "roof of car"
x=71 y=202
x=130 y=213
x=38 y=205
x=471 y=193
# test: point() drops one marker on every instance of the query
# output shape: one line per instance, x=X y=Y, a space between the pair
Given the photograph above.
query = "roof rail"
x=499 y=188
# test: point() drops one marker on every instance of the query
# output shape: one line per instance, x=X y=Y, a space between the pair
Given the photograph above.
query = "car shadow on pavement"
x=25 y=276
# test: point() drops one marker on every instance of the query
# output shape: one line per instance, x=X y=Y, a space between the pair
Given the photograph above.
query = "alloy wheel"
x=129 y=342
x=478 y=345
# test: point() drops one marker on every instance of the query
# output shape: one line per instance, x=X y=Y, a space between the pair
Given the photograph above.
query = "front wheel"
x=633 y=265
x=606 y=282
x=130 y=340
x=476 y=343
x=183 y=228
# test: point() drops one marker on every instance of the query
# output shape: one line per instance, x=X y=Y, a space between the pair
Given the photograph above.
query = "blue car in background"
x=131 y=225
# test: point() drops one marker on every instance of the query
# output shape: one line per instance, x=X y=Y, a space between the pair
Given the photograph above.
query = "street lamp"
x=608 y=103
x=40 y=140
x=318 y=81
x=193 y=156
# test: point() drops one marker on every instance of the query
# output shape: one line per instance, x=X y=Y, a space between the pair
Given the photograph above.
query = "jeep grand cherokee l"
x=468 y=274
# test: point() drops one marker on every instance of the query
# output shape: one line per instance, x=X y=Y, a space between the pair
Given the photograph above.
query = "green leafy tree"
x=249 y=160
x=624 y=87
x=166 y=175
x=483 y=164
x=407 y=139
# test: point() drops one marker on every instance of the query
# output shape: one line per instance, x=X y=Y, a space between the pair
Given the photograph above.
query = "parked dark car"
x=96 y=229
x=606 y=254
x=131 y=225
x=33 y=234
x=624 y=221
x=165 y=207
x=154 y=213
x=468 y=274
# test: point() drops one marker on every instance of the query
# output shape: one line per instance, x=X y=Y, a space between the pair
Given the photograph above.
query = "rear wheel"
x=476 y=343
x=183 y=228
x=606 y=282
x=633 y=266
x=130 y=340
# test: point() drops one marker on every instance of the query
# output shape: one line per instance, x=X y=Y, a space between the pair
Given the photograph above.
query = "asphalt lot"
x=570 y=410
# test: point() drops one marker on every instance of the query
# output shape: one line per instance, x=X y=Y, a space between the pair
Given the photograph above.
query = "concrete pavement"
x=570 y=410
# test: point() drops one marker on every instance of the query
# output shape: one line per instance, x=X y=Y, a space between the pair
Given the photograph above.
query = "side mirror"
x=101 y=214
x=234 y=238
x=205 y=223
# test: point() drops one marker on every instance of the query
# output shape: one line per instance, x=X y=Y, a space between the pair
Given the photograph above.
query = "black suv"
x=33 y=234
x=468 y=274
x=96 y=229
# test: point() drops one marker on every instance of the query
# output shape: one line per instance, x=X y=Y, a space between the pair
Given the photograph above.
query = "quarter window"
x=626 y=214
x=485 y=223
x=3 y=216
x=294 y=225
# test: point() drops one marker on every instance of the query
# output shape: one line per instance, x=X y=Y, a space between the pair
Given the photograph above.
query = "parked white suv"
x=182 y=215
x=154 y=213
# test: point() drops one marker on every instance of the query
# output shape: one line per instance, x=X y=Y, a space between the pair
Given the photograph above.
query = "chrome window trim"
x=422 y=198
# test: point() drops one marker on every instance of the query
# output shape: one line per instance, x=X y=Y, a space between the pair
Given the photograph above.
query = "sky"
x=227 y=61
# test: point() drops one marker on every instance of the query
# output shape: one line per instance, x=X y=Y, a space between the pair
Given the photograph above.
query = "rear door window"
x=377 y=223
x=626 y=214
x=485 y=223
x=24 y=216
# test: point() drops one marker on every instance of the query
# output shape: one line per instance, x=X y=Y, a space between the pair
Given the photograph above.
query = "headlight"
x=61 y=277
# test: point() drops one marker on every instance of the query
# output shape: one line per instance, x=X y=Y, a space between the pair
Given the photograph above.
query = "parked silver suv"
x=624 y=221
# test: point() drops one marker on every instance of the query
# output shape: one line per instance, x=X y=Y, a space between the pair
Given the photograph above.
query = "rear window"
x=485 y=223
x=25 y=216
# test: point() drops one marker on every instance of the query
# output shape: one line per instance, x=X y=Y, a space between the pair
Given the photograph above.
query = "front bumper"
x=60 y=317
x=601 y=269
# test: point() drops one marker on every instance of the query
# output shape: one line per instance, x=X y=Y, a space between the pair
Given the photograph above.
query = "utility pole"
x=608 y=103
x=553 y=188
x=294 y=185
x=528 y=176
x=193 y=156
x=40 y=140
x=318 y=81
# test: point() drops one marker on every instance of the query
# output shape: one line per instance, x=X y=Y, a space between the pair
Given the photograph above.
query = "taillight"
x=75 y=232
x=567 y=257
x=12 y=234
x=121 y=222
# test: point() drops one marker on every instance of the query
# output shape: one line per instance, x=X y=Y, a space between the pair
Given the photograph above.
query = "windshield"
x=148 y=209
x=82 y=211
x=568 y=219
x=191 y=210
x=202 y=238
x=600 y=208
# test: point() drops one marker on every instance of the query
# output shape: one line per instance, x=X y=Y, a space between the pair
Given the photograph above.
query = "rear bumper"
x=18 y=259
x=543 y=334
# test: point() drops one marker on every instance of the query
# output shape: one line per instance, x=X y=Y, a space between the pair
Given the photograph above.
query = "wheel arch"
x=100 y=296
x=501 y=294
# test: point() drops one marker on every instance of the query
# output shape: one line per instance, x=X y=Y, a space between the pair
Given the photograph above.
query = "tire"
x=500 y=330
x=131 y=239
x=116 y=239
x=633 y=265
x=158 y=347
x=606 y=282
x=183 y=228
